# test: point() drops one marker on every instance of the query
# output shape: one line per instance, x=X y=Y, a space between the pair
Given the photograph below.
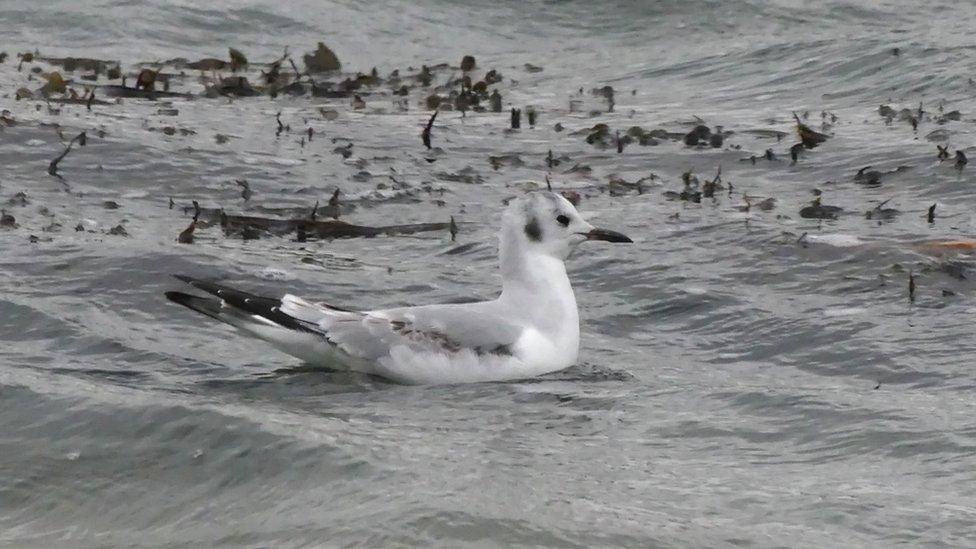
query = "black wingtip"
x=209 y=307
x=178 y=297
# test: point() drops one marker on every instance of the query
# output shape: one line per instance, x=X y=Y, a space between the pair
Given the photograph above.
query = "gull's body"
x=532 y=328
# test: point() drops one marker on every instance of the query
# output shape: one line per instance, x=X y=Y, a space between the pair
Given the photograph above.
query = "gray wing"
x=371 y=335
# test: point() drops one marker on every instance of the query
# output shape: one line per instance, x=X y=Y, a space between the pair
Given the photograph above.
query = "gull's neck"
x=536 y=285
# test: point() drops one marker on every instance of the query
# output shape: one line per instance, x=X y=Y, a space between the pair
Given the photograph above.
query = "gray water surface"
x=740 y=384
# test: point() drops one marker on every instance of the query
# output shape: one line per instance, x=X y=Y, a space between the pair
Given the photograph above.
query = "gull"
x=531 y=328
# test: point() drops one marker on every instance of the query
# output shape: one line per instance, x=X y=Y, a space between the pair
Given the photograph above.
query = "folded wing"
x=319 y=332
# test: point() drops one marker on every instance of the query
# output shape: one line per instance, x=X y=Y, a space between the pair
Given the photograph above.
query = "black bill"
x=607 y=235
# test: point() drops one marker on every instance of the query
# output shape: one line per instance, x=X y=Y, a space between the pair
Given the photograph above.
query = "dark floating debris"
x=7 y=220
x=816 y=210
x=697 y=134
x=19 y=199
x=250 y=233
x=251 y=227
x=880 y=213
x=233 y=86
x=911 y=287
x=186 y=235
x=709 y=188
x=345 y=151
x=516 y=118
x=52 y=168
x=716 y=140
x=146 y=80
x=869 y=178
x=808 y=136
x=425 y=136
x=322 y=60
x=237 y=60
x=118 y=230
x=496 y=101
x=795 y=151
x=281 y=127
x=951 y=116
x=961 y=160
x=931 y=215
x=943 y=152
x=334 y=205
x=246 y=192
x=598 y=135
x=468 y=63
x=691 y=191
x=454 y=230
x=608 y=93
x=767 y=204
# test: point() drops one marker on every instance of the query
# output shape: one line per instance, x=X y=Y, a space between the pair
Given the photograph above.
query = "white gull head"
x=546 y=225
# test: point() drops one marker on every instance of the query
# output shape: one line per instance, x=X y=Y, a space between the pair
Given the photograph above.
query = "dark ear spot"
x=533 y=230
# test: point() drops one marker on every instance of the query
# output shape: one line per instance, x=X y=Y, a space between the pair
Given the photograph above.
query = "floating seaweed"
x=250 y=226
x=237 y=60
x=880 y=213
x=334 y=205
x=52 y=168
x=817 y=210
x=809 y=137
x=697 y=134
x=425 y=136
x=186 y=236
x=7 y=221
x=246 y=192
x=322 y=60
x=870 y=178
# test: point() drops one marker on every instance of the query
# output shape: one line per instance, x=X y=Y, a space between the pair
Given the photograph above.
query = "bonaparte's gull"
x=532 y=328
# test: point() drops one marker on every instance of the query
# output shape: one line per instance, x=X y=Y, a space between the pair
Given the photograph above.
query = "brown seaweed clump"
x=237 y=60
x=809 y=137
x=322 y=60
x=146 y=80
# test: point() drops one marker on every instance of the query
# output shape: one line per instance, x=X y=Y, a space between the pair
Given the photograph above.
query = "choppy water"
x=739 y=385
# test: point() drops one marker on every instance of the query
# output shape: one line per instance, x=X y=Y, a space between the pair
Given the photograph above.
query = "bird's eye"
x=562 y=220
